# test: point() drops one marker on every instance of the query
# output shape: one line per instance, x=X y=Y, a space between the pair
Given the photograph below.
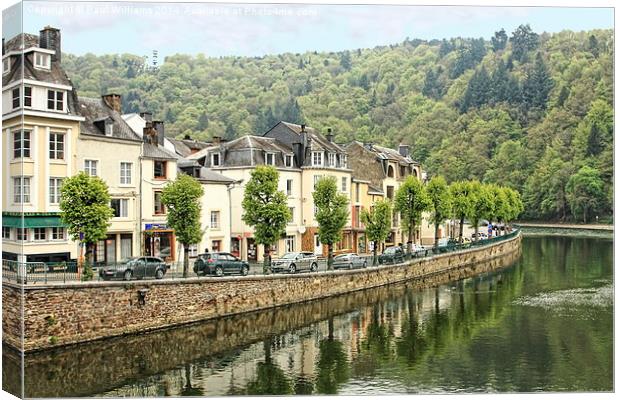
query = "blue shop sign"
x=149 y=227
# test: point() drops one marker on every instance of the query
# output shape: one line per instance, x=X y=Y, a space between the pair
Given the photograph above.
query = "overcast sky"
x=249 y=30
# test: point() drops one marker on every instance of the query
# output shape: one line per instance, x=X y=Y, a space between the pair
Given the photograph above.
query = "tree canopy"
x=332 y=212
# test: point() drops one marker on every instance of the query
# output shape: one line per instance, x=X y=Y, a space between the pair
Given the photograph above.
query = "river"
x=544 y=322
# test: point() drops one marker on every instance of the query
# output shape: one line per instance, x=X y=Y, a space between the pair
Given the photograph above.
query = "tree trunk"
x=266 y=259
x=410 y=237
x=374 y=252
x=185 y=260
x=476 y=231
x=330 y=328
x=436 y=235
x=461 y=230
x=330 y=256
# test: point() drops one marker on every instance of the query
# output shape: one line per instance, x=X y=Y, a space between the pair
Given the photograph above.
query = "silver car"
x=297 y=261
x=349 y=260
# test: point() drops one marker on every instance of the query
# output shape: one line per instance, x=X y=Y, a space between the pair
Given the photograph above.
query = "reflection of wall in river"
x=103 y=365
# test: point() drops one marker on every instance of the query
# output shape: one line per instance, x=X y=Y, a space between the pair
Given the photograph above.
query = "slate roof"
x=386 y=153
x=185 y=147
x=257 y=142
x=150 y=150
x=96 y=111
x=54 y=75
x=206 y=175
x=374 y=189
x=316 y=137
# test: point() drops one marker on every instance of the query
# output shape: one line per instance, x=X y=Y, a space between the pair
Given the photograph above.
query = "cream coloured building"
x=40 y=127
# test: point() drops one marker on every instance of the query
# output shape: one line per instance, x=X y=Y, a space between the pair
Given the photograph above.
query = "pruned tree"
x=332 y=213
x=182 y=201
x=378 y=223
x=411 y=201
x=461 y=203
x=441 y=203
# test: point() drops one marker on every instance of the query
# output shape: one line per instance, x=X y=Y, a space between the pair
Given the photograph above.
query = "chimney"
x=217 y=139
x=330 y=136
x=49 y=38
x=403 y=150
x=149 y=133
x=368 y=145
x=159 y=127
x=147 y=116
x=113 y=101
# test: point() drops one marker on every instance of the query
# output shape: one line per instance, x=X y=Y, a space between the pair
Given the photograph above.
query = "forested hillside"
x=531 y=111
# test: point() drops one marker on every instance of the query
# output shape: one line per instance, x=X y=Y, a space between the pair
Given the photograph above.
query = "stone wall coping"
x=249 y=278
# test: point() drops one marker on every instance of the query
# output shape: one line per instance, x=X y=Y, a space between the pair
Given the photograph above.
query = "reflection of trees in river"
x=270 y=378
x=332 y=366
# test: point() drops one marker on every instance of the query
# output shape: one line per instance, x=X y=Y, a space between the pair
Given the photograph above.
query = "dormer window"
x=343 y=161
x=109 y=128
x=270 y=159
x=6 y=65
x=55 y=100
x=331 y=159
x=42 y=60
x=317 y=158
x=288 y=161
x=215 y=159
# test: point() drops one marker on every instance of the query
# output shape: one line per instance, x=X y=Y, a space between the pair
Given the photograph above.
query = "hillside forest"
x=532 y=111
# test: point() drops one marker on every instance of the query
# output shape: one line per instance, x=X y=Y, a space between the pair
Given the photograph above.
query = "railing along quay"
x=65 y=272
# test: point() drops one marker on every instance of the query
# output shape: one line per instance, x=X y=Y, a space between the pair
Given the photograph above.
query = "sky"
x=259 y=29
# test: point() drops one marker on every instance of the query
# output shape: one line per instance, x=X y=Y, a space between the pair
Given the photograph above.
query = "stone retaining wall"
x=62 y=314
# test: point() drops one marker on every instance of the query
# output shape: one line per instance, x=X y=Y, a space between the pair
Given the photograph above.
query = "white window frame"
x=343 y=161
x=42 y=61
x=40 y=230
x=317 y=161
x=8 y=230
x=57 y=233
x=17 y=97
x=55 y=101
x=192 y=249
x=126 y=173
x=316 y=180
x=289 y=243
x=123 y=208
x=91 y=166
x=54 y=190
x=289 y=187
x=163 y=207
x=273 y=158
x=219 y=161
x=53 y=146
x=331 y=159
x=29 y=97
x=291 y=220
x=24 y=235
x=214 y=223
x=21 y=189
x=22 y=142
x=344 y=184
x=288 y=161
x=6 y=65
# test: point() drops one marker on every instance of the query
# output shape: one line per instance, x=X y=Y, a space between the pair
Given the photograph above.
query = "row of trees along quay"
x=85 y=209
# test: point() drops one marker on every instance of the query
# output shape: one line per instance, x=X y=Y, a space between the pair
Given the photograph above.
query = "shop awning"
x=28 y=221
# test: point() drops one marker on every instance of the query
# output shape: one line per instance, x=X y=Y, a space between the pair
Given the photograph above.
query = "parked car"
x=296 y=261
x=220 y=264
x=349 y=260
x=135 y=268
x=415 y=247
x=392 y=255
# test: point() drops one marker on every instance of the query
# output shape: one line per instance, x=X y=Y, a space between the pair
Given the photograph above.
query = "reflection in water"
x=497 y=331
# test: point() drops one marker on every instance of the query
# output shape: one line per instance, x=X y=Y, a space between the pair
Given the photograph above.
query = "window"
x=316 y=180
x=403 y=171
x=289 y=187
x=57 y=146
x=55 y=184
x=344 y=183
x=159 y=171
x=109 y=128
x=216 y=245
x=316 y=210
x=343 y=161
x=126 y=245
x=58 y=233
x=16 y=98
x=215 y=159
x=21 y=189
x=6 y=65
x=270 y=159
x=27 y=96
x=317 y=158
x=215 y=220
x=331 y=159
x=55 y=100
x=42 y=60
x=39 y=233
x=21 y=233
x=21 y=144
x=6 y=232
x=357 y=192
x=192 y=249
x=390 y=172
x=120 y=207
x=291 y=211
x=159 y=206
x=288 y=161
x=90 y=167
x=290 y=244
x=125 y=173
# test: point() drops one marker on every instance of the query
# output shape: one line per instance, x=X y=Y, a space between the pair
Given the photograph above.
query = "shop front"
x=159 y=241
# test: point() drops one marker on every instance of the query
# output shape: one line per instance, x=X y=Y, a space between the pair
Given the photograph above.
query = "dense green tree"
x=523 y=40
x=182 y=199
x=411 y=200
x=585 y=193
x=85 y=210
x=537 y=85
x=462 y=203
x=332 y=214
x=265 y=209
x=378 y=224
x=483 y=206
x=441 y=203
x=499 y=40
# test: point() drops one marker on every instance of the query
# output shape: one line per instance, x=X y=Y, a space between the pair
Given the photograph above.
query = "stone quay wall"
x=62 y=314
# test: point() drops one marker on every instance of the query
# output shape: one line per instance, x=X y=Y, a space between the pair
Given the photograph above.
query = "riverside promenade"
x=592 y=227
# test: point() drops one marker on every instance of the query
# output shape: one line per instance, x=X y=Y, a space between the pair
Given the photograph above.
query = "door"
x=318 y=247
